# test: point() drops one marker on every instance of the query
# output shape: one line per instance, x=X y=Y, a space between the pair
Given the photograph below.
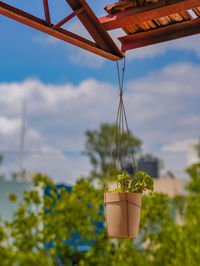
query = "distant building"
x=150 y=165
x=17 y=186
x=7 y=208
x=25 y=176
x=170 y=186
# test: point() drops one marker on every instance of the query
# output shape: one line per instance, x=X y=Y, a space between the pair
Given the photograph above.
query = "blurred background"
x=54 y=95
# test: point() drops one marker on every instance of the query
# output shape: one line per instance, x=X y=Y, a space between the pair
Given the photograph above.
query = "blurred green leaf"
x=12 y=197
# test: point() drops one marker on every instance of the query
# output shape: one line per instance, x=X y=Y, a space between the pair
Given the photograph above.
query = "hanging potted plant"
x=123 y=204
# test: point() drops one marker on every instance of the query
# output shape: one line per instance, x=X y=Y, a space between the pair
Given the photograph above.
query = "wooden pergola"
x=146 y=22
x=156 y=21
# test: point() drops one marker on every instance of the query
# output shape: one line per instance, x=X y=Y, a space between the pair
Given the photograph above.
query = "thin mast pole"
x=22 y=137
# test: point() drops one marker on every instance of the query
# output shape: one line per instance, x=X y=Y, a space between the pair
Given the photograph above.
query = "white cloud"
x=189 y=44
x=179 y=155
x=166 y=102
x=80 y=56
x=84 y=58
x=33 y=135
x=44 y=40
x=57 y=118
x=9 y=126
x=51 y=162
x=57 y=165
x=179 y=146
x=161 y=108
x=146 y=52
x=115 y=34
x=190 y=120
x=77 y=27
x=9 y=97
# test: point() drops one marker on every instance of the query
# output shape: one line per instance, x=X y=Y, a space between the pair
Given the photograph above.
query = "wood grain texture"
x=159 y=35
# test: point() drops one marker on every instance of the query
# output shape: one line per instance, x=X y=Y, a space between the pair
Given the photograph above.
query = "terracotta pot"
x=122 y=212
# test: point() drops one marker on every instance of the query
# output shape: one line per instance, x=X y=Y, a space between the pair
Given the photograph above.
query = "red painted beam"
x=46 y=11
x=149 y=12
x=96 y=30
x=66 y=19
x=61 y=34
x=159 y=35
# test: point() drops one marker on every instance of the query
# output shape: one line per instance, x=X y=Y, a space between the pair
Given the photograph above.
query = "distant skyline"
x=69 y=91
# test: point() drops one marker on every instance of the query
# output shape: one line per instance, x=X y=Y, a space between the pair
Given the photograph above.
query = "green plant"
x=138 y=184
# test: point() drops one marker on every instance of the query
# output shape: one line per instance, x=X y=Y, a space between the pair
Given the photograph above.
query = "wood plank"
x=171 y=32
x=176 y=17
x=152 y=11
x=197 y=11
x=186 y=15
x=61 y=34
x=46 y=11
x=119 y=6
x=69 y=17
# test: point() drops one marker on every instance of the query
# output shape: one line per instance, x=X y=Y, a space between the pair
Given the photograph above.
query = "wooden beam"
x=149 y=12
x=159 y=35
x=46 y=11
x=66 y=19
x=96 y=30
x=60 y=33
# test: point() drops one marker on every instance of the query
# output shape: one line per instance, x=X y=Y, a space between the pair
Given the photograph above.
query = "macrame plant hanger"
x=120 y=125
x=122 y=209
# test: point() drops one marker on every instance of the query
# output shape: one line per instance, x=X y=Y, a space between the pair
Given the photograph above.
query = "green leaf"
x=134 y=182
x=117 y=190
x=12 y=197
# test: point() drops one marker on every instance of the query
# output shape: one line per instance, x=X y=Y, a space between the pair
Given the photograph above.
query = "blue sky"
x=70 y=90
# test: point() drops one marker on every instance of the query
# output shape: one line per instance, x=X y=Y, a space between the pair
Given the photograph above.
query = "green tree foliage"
x=42 y=224
x=179 y=244
x=98 y=147
x=197 y=147
x=45 y=228
x=1 y=158
x=2 y=177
